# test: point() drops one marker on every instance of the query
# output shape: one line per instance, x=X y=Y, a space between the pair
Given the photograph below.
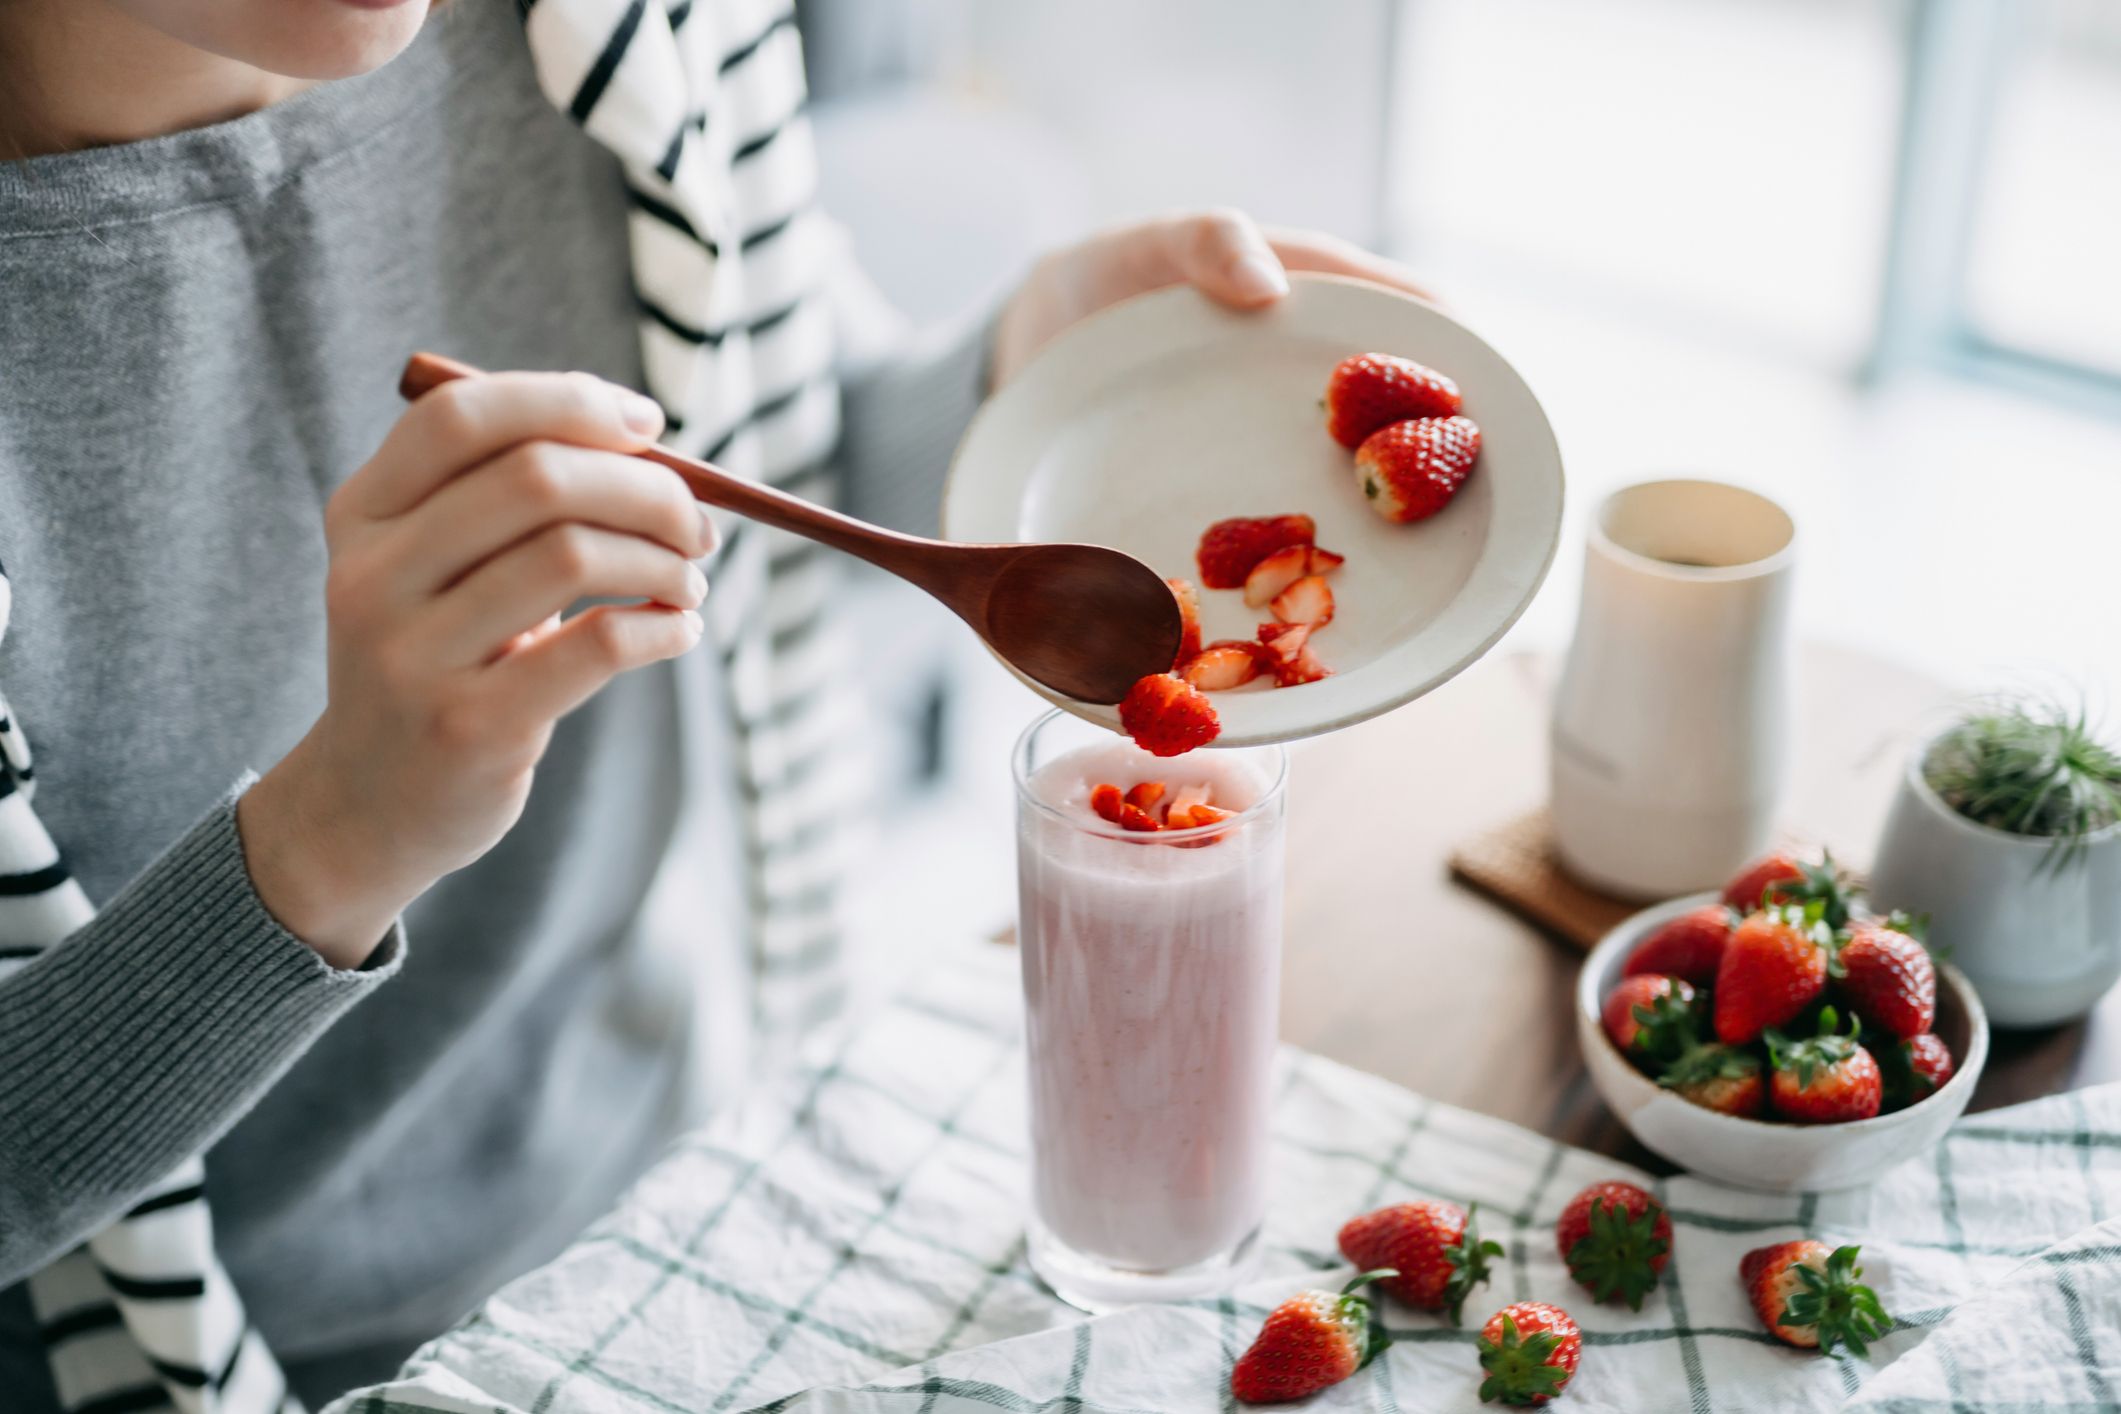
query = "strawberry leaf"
x=1666 y=1027
x=1824 y=1051
x=1822 y=888
x=1469 y=1265
x=1517 y=1368
x=1617 y=1257
x=1839 y=1309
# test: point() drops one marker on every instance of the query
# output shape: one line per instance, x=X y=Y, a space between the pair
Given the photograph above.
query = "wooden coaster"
x=1516 y=865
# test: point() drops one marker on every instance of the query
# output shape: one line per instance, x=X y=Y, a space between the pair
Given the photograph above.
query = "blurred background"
x=1864 y=255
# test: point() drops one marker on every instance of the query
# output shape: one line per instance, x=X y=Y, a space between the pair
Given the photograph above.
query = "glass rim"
x=1019 y=769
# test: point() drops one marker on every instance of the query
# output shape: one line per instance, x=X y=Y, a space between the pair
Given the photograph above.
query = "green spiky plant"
x=2029 y=766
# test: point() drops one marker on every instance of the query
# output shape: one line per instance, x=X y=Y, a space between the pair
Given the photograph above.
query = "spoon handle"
x=904 y=555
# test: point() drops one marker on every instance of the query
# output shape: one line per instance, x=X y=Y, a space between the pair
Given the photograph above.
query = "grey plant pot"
x=2041 y=944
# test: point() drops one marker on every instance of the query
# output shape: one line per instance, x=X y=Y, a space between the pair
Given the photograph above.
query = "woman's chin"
x=296 y=39
x=337 y=39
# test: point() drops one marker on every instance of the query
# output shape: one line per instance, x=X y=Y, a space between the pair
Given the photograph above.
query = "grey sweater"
x=199 y=337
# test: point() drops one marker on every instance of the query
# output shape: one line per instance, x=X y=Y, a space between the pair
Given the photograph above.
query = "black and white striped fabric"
x=141 y=1317
x=703 y=103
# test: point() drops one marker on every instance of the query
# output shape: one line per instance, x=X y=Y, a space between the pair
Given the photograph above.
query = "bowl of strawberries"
x=1779 y=1035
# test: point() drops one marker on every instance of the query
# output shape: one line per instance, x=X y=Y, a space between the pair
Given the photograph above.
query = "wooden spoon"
x=1085 y=620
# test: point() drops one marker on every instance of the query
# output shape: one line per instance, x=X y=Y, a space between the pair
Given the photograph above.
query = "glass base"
x=1089 y=1284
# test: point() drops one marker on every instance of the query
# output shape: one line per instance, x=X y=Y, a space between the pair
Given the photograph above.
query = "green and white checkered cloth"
x=858 y=1246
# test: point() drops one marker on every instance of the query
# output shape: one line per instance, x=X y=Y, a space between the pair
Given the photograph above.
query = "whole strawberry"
x=1824 y=1079
x=1312 y=1341
x=1748 y=892
x=1808 y=1296
x=1529 y=1351
x=1689 y=947
x=1650 y=1018
x=1411 y=470
x=1932 y=1063
x=1888 y=978
x=1911 y=1070
x=1720 y=1078
x=1370 y=390
x=1774 y=966
x=1616 y=1240
x=1781 y=878
x=1167 y=716
x=1434 y=1249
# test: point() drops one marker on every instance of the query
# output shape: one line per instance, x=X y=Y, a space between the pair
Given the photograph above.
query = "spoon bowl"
x=1085 y=620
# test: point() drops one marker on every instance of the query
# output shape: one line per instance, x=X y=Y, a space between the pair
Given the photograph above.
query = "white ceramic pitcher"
x=1670 y=727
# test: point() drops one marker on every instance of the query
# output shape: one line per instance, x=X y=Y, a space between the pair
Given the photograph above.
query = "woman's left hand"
x=1224 y=254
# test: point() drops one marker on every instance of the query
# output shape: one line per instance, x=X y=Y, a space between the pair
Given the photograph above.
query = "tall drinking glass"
x=1152 y=980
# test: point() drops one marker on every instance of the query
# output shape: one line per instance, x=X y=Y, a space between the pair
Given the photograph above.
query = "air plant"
x=2029 y=766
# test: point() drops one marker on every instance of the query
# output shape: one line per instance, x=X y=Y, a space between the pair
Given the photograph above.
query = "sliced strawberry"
x=1275 y=573
x=1133 y=817
x=1145 y=795
x=1191 y=794
x=1308 y=601
x=1189 y=617
x=1325 y=561
x=1167 y=716
x=1230 y=548
x=1106 y=801
x=1190 y=809
x=1196 y=817
x=1221 y=666
x=1308 y=667
x=1288 y=646
x=1284 y=642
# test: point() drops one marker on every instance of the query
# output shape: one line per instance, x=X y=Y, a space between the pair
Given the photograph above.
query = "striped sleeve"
x=146 y=1034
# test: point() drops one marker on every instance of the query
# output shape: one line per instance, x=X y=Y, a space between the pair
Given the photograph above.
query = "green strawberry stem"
x=1822 y=887
x=1615 y=1257
x=1828 y=1048
x=1469 y=1265
x=1840 y=1309
x=1354 y=1307
x=1518 y=1372
x=1668 y=1027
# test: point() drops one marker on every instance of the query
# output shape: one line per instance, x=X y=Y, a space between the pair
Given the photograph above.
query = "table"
x=1394 y=968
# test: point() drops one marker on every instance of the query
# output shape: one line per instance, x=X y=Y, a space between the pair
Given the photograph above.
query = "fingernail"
x=695 y=582
x=694 y=622
x=642 y=414
x=1256 y=276
x=710 y=537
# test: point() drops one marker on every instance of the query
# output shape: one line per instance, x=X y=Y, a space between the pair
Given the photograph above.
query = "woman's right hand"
x=495 y=503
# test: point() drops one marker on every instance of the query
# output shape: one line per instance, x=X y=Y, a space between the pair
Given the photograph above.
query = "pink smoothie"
x=1152 y=980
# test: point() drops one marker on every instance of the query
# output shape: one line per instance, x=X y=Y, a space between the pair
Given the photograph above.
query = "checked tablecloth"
x=858 y=1246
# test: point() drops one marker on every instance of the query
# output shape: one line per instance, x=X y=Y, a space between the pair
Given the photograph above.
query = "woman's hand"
x=494 y=503
x=1224 y=254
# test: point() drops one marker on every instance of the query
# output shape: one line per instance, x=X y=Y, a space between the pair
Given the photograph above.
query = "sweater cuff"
x=904 y=420
x=163 y=1019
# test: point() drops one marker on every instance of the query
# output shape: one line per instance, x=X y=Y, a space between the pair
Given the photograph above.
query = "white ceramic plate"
x=1141 y=426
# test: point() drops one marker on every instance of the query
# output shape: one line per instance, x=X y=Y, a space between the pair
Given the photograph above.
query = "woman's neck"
x=82 y=73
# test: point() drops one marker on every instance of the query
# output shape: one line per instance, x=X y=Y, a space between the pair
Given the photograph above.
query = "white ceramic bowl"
x=1759 y=1154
